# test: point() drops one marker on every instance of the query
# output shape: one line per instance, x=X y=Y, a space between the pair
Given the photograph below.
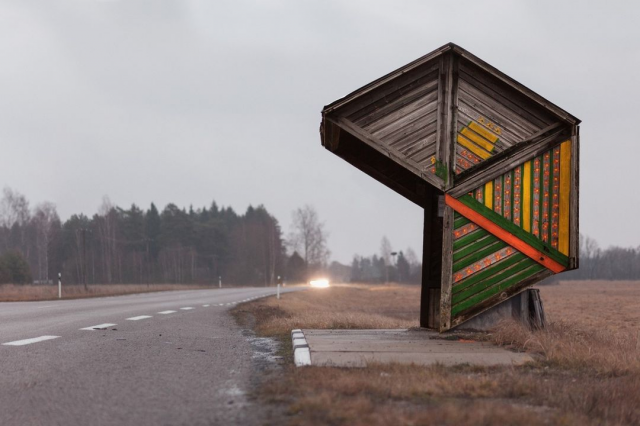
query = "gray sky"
x=194 y=100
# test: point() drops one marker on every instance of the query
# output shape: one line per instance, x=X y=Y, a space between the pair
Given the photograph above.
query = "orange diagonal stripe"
x=505 y=236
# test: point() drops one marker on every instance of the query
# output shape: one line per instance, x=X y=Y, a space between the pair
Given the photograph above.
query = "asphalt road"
x=170 y=358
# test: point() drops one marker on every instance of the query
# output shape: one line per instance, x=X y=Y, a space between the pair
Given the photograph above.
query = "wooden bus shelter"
x=493 y=164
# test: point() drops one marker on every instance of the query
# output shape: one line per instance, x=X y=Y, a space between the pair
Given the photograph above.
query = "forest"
x=135 y=245
x=207 y=244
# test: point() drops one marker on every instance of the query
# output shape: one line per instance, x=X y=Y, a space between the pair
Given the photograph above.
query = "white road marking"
x=167 y=312
x=141 y=317
x=188 y=308
x=205 y=306
x=29 y=341
x=98 y=326
x=221 y=304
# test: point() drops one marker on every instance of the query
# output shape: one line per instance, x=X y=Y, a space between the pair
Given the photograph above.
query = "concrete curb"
x=301 y=353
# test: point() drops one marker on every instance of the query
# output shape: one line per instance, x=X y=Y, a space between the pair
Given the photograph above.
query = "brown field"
x=587 y=372
x=28 y=292
x=610 y=305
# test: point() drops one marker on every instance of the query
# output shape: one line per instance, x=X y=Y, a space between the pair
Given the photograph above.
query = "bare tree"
x=44 y=218
x=309 y=237
x=14 y=210
x=107 y=234
x=385 y=254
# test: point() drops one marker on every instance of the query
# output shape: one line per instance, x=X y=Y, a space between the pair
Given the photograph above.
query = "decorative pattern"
x=475 y=142
x=511 y=229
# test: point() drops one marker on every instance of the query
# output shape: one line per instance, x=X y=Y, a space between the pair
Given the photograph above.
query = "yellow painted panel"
x=565 y=189
x=478 y=140
x=473 y=147
x=488 y=194
x=526 y=197
x=483 y=132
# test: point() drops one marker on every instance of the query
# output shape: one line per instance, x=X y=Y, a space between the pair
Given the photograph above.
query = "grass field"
x=587 y=369
x=28 y=292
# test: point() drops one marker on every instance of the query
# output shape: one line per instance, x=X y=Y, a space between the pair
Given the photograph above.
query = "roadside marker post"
x=219 y=282
x=278 y=292
x=59 y=285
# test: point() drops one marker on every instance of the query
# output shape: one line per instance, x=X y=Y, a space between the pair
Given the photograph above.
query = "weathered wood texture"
x=505 y=157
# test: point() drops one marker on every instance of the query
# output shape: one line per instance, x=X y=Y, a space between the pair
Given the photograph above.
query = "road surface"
x=170 y=358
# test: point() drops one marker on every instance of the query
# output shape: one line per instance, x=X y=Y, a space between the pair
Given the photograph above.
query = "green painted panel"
x=463 y=263
x=460 y=221
x=488 y=272
x=515 y=230
x=474 y=247
x=489 y=282
x=533 y=269
x=468 y=239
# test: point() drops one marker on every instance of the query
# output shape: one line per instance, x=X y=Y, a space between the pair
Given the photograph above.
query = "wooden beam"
x=380 y=146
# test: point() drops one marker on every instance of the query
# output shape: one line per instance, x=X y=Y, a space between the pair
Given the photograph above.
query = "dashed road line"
x=167 y=312
x=29 y=341
x=98 y=327
x=187 y=308
x=220 y=304
x=205 y=306
x=141 y=317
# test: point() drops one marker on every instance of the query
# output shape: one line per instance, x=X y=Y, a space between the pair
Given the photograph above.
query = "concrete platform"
x=356 y=348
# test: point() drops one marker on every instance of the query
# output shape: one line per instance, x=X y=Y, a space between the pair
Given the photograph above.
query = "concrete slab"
x=356 y=348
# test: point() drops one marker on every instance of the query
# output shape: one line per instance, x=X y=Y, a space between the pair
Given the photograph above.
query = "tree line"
x=612 y=263
x=134 y=245
x=388 y=266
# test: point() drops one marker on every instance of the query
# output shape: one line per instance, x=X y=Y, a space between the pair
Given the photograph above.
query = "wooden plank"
x=574 y=218
x=488 y=194
x=507 y=160
x=495 y=94
x=517 y=86
x=526 y=196
x=379 y=146
x=510 y=234
x=532 y=269
x=493 y=245
x=565 y=196
x=460 y=221
x=488 y=272
x=468 y=239
x=481 y=242
x=407 y=69
x=480 y=211
x=394 y=124
x=497 y=298
x=425 y=318
x=446 y=268
x=404 y=97
x=515 y=126
x=444 y=147
x=502 y=274
x=477 y=150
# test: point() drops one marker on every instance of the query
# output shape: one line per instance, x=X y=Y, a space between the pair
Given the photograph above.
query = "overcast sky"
x=195 y=100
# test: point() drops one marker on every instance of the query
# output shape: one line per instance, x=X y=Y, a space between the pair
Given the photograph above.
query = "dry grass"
x=16 y=293
x=588 y=372
x=610 y=305
x=340 y=307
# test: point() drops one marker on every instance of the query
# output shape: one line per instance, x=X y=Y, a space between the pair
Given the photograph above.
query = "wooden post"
x=431 y=258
